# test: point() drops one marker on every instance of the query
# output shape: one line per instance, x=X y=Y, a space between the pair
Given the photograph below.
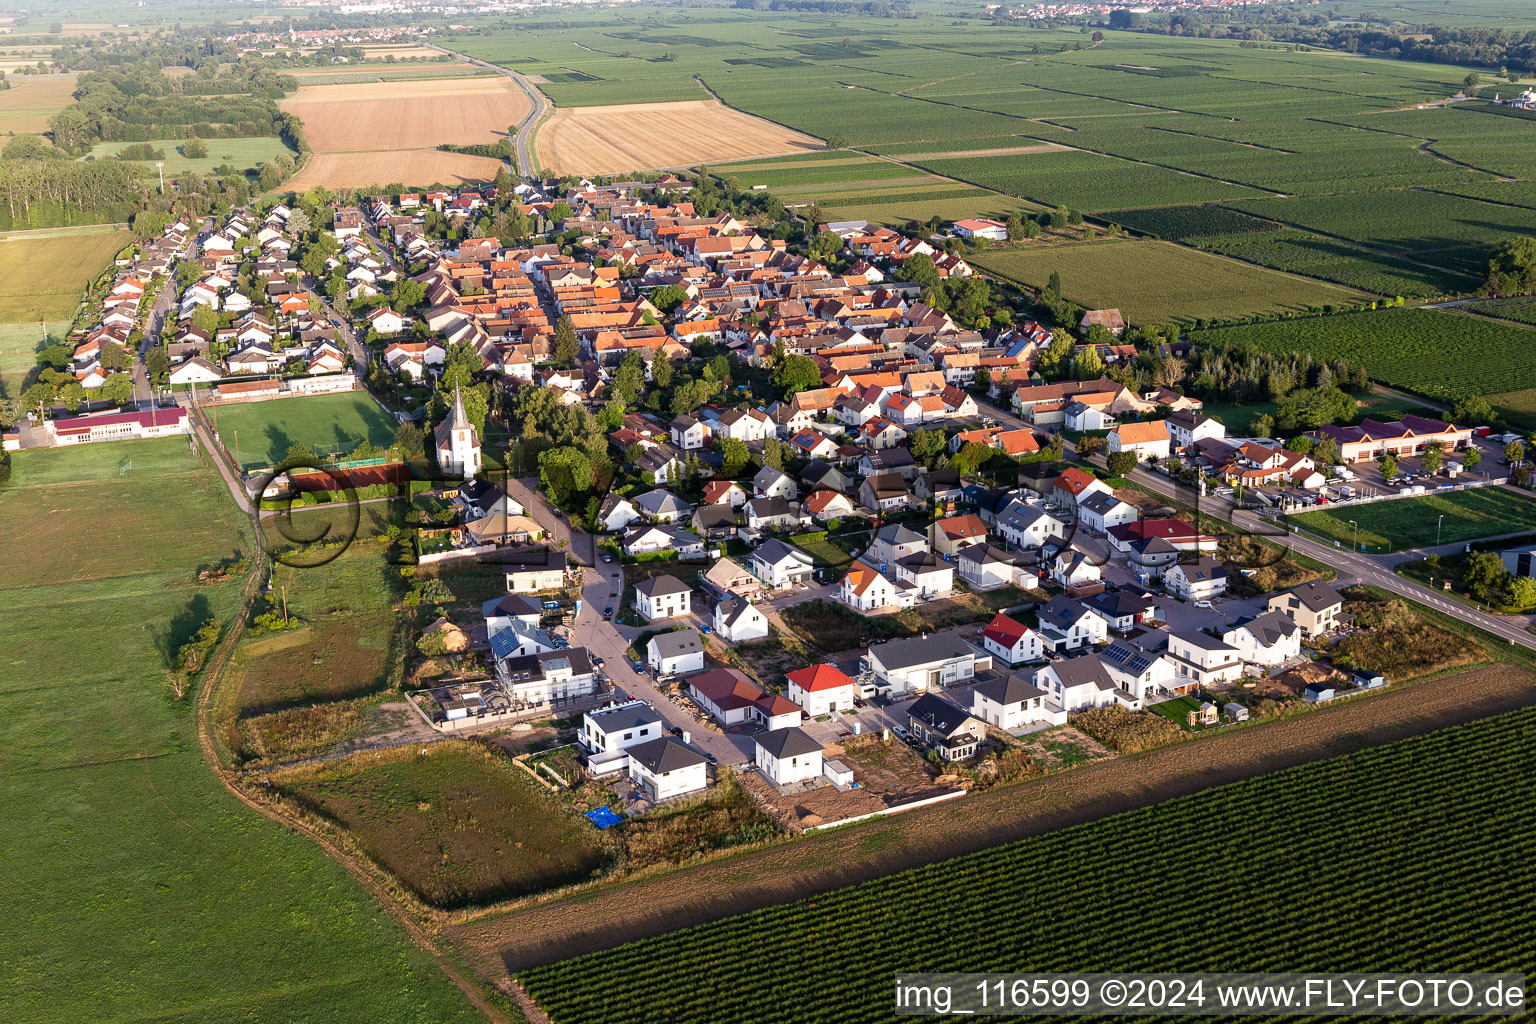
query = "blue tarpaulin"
x=603 y=817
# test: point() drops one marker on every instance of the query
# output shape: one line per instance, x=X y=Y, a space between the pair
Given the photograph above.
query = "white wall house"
x=663 y=597
x=821 y=689
x=1014 y=703
x=788 y=756
x=1269 y=639
x=737 y=621
x=664 y=769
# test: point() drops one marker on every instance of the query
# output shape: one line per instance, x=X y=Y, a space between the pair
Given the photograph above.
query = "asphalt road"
x=539 y=107
x=154 y=327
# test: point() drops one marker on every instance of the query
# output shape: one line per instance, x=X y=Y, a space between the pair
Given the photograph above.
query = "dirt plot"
x=407 y=166
x=564 y=928
x=374 y=116
x=637 y=136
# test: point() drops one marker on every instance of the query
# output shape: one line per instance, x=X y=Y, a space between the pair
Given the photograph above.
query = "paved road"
x=360 y=353
x=154 y=327
x=539 y=107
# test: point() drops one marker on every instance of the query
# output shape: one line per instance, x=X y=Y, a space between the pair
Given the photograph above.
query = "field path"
x=608 y=916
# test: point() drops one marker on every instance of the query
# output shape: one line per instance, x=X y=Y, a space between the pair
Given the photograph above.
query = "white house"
x=1201 y=579
x=612 y=729
x=1014 y=703
x=664 y=768
x=676 y=653
x=770 y=483
x=1139 y=665
x=982 y=227
x=1147 y=440
x=688 y=433
x=1102 y=512
x=893 y=543
x=1200 y=659
x=930 y=575
x=196 y=370
x=737 y=621
x=1066 y=625
x=457 y=441
x=865 y=589
x=1269 y=639
x=1012 y=642
x=922 y=663
x=821 y=689
x=788 y=756
x=780 y=565
x=615 y=513
x=663 y=597
x=985 y=567
x=1076 y=684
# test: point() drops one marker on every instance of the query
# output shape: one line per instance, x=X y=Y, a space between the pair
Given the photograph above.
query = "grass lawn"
x=197 y=908
x=460 y=827
x=825 y=550
x=42 y=276
x=1410 y=522
x=1176 y=710
x=18 y=347
x=1238 y=419
x=329 y=424
x=242 y=154
x=1159 y=282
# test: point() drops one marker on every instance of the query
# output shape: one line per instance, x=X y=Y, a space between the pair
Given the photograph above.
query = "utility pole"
x=160 y=169
x=284 y=589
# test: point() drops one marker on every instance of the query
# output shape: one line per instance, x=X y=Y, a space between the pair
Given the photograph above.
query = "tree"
x=459 y=368
x=661 y=371
x=566 y=474
x=157 y=362
x=1088 y=364
x=1520 y=592
x=1434 y=457
x=735 y=457
x=1326 y=452
x=1471 y=457
x=27 y=147
x=795 y=374
x=1090 y=445
x=1301 y=444
x=1473 y=409
x=1472 y=80
x=668 y=297
x=773 y=453
x=971 y=457
x=1512 y=268
x=1053 y=286
x=1389 y=465
x=919 y=269
x=1120 y=463
x=566 y=345
x=194 y=149
x=1483 y=573
x=1514 y=451
x=117 y=389
x=925 y=445
x=629 y=379
x=1015 y=225
x=611 y=416
x=410 y=439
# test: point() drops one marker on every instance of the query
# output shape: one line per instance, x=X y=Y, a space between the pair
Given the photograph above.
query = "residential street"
x=154 y=327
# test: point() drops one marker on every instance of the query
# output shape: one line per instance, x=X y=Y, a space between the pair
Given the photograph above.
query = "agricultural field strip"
x=1383 y=800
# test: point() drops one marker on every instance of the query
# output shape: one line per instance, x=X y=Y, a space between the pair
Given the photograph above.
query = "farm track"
x=559 y=929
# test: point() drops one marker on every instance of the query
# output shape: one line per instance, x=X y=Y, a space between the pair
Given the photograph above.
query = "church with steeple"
x=458 y=444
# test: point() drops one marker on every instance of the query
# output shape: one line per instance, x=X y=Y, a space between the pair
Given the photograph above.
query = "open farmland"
x=459 y=827
x=28 y=104
x=330 y=425
x=607 y=140
x=373 y=133
x=1412 y=522
x=213 y=910
x=1439 y=354
x=1159 y=282
x=372 y=116
x=1448 y=806
x=1301 y=252
x=242 y=154
x=42 y=273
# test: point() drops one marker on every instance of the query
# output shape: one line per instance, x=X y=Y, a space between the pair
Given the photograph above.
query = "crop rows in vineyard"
x=1400 y=857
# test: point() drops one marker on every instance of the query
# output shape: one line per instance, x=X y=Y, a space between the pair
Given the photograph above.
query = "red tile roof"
x=815 y=678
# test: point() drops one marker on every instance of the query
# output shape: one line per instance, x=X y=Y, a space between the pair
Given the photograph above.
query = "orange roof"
x=860 y=577
x=815 y=678
x=1075 y=481
x=1142 y=433
x=958 y=527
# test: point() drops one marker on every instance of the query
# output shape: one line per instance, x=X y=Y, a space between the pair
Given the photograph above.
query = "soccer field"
x=1411 y=522
x=260 y=433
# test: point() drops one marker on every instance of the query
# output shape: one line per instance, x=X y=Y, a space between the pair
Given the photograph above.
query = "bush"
x=1121 y=729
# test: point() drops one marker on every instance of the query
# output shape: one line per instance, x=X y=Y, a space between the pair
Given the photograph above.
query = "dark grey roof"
x=983 y=554
x=528 y=667
x=1203 y=568
x=709 y=516
x=1268 y=629
x=922 y=650
x=664 y=755
x=1015 y=689
x=513 y=605
x=789 y=742
x=1204 y=641
x=766 y=476
x=938 y=715
x=922 y=561
x=660 y=586
x=1086 y=669
x=628 y=716
x=1061 y=611
x=1316 y=596
x=1101 y=501
x=1119 y=603
x=531 y=559
x=773 y=551
x=659 y=500
x=896 y=533
x=1135 y=656
x=768 y=508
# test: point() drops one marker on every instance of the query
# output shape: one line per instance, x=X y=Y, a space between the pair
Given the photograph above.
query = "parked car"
x=608 y=612
x=706 y=629
x=607 y=557
x=1203 y=604
x=551 y=606
x=676 y=731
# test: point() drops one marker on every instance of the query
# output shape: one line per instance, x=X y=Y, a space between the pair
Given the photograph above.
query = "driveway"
x=580 y=545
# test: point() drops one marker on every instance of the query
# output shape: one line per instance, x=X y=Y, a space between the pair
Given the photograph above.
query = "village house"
x=663 y=597
x=1148 y=440
x=730 y=698
x=1011 y=642
x=612 y=729
x=675 y=654
x=920 y=663
x=1066 y=625
x=1013 y=703
x=1201 y=660
x=737 y=621
x=788 y=756
x=865 y=589
x=948 y=536
x=821 y=689
x=548 y=676
x=781 y=566
x=1315 y=607
x=664 y=769
x=1199 y=579
x=531 y=570
x=984 y=567
x=615 y=513
x=1270 y=639
x=946 y=727
x=1080 y=683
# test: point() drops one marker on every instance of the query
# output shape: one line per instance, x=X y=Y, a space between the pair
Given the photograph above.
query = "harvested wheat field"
x=30 y=101
x=377 y=70
x=405 y=166
x=642 y=136
x=373 y=116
